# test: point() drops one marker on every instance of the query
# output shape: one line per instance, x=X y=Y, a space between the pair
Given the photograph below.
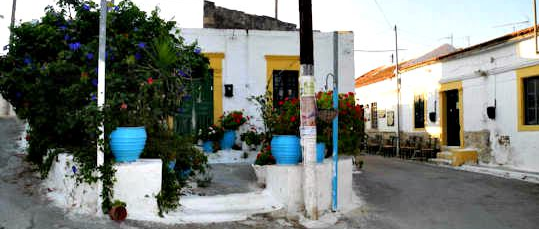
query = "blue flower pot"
x=320 y=152
x=207 y=146
x=127 y=143
x=228 y=139
x=286 y=149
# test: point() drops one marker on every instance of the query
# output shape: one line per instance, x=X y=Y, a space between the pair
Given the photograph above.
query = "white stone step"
x=440 y=161
x=222 y=208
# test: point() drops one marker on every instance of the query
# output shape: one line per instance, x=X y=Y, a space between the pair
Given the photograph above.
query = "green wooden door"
x=197 y=109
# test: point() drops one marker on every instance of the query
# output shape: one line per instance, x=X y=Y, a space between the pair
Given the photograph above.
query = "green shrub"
x=50 y=77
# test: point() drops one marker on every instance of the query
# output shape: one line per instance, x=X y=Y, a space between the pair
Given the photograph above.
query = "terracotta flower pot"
x=118 y=213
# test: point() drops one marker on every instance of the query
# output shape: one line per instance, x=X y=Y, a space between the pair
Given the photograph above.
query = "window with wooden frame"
x=419 y=112
x=531 y=100
x=374 y=116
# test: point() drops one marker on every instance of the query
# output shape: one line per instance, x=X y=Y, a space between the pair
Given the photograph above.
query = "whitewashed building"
x=483 y=99
x=249 y=60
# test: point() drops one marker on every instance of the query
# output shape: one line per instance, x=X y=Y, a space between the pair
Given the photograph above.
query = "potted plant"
x=325 y=115
x=264 y=157
x=210 y=135
x=118 y=211
x=231 y=121
x=285 y=142
x=127 y=141
x=251 y=139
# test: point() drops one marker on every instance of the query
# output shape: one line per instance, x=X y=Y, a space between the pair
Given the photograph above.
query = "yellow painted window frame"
x=424 y=113
x=279 y=62
x=216 y=63
x=522 y=74
x=457 y=85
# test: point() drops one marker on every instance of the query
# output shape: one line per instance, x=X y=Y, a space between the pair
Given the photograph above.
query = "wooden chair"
x=389 y=149
x=406 y=148
x=417 y=153
x=431 y=149
x=374 y=144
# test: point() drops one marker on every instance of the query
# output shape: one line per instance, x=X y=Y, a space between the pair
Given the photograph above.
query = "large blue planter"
x=207 y=146
x=320 y=152
x=228 y=139
x=127 y=143
x=286 y=149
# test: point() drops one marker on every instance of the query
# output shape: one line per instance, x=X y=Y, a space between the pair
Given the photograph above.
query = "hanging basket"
x=326 y=115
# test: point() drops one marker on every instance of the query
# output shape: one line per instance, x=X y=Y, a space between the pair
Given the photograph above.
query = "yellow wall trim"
x=279 y=62
x=451 y=86
x=522 y=74
x=216 y=63
x=457 y=85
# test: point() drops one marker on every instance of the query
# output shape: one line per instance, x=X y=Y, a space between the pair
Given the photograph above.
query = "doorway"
x=452 y=115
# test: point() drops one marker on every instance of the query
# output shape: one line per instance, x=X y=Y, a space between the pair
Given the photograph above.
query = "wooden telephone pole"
x=308 y=109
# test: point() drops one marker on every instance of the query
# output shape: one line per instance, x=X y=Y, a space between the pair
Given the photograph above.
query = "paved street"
x=402 y=194
x=397 y=195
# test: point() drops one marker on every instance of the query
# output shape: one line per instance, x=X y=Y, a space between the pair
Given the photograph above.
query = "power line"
x=383 y=50
x=383 y=14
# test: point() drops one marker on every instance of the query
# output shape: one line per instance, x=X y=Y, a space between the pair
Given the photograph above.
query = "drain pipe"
x=336 y=119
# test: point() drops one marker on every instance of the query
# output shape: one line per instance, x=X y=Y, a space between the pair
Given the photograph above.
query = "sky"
x=422 y=25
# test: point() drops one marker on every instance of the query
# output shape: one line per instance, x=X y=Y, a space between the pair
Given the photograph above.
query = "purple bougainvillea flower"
x=74 y=169
x=181 y=73
x=94 y=98
x=90 y=56
x=116 y=8
x=74 y=46
x=142 y=45
x=62 y=27
x=67 y=37
x=197 y=50
x=137 y=56
x=94 y=82
x=27 y=61
x=86 y=7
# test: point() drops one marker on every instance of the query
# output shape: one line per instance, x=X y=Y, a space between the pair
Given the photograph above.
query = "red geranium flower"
x=281 y=103
x=150 y=80
x=293 y=119
x=123 y=106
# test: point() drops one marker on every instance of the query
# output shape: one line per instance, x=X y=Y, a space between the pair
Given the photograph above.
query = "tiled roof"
x=443 y=52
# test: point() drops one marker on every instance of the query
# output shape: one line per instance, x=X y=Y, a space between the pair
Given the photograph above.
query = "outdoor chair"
x=374 y=144
x=406 y=148
x=389 y=149
x=428 y=151
x=417 y=153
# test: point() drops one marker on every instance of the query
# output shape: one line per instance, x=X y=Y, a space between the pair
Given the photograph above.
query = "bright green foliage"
x=50 y=76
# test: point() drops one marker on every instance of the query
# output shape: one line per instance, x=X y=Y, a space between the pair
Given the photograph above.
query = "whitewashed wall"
x=384 y=93
x=244 y=64
x=422 y=80
x=479 y=92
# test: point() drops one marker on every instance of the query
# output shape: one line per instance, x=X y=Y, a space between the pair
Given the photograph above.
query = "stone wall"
x=222 y=18
x=479 y=140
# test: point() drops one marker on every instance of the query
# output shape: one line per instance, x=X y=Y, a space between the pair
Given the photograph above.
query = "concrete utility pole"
x=276 y=8
x=308 y=109
x=101 y=90
x=398 y=113
x=13 y=9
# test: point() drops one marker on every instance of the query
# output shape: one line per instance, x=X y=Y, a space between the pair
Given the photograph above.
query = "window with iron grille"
x=419 y=112
x=531 y=100
x=374 y=116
